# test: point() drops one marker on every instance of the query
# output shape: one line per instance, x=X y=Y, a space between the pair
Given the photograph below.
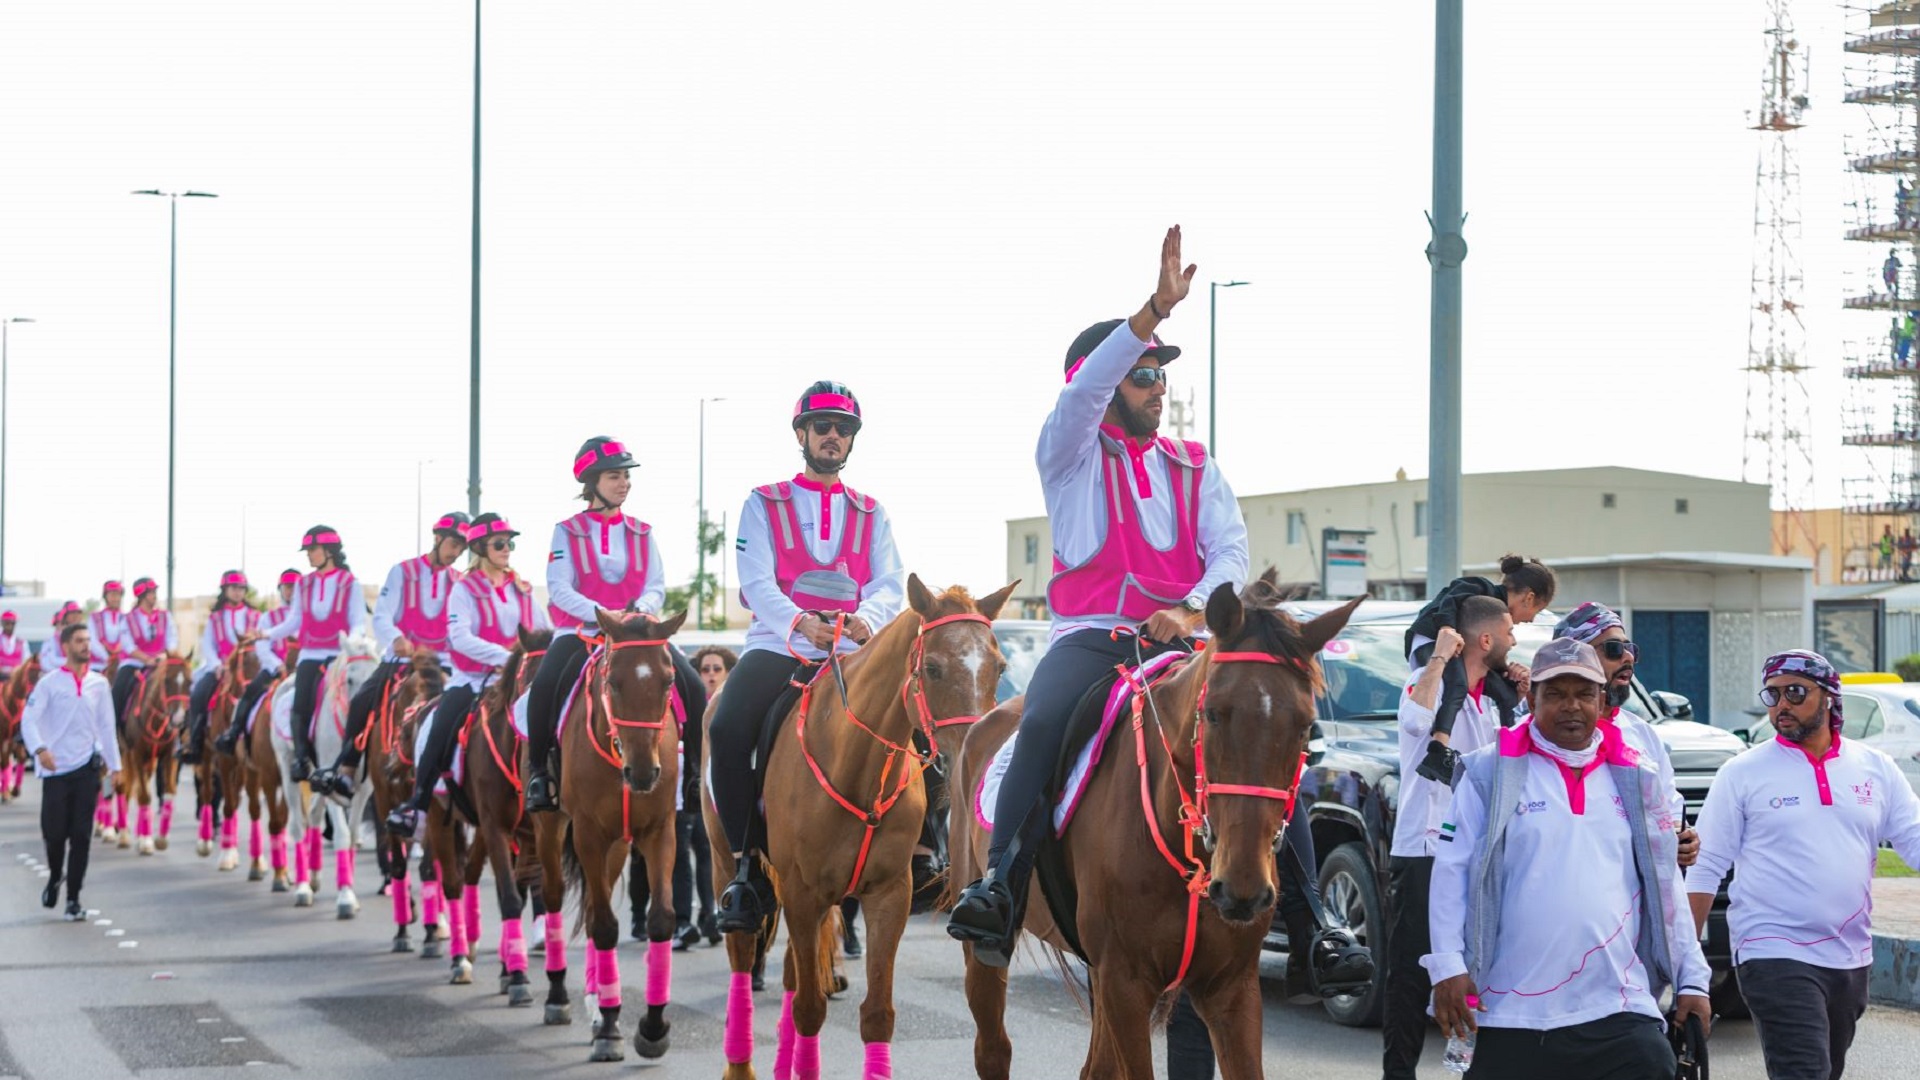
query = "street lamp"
x=1213 y=304
x=4 y=324
x=173 y=250
x=700 y=530
x=473 y=298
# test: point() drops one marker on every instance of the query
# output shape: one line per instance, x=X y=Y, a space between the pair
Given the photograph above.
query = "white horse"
x=348 y=672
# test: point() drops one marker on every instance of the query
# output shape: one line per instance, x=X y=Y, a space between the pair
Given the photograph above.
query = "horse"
x=342 y=679
x=1169 y=856
x=149 y=733
x=490 y=791
x=220 y=779
x=621 y=774
x=388 y=744
x=13 y=703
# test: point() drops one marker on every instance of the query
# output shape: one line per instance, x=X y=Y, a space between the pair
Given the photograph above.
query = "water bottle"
x=1459 y=1055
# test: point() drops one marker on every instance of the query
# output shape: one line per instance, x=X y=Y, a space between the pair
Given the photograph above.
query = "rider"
x=1144 y=530
x=326 y=605
x=51 y=655
x=108 y=624
x=146 y=637
x=600 y=560
x=486 y=611
x=409 y=619
x=13 y=649
x=230 y=622
x=846 y=568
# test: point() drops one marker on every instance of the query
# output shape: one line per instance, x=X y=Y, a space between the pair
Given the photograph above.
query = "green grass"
x=1891 y=866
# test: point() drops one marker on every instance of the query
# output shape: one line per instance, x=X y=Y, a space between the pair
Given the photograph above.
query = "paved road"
x=201 y=974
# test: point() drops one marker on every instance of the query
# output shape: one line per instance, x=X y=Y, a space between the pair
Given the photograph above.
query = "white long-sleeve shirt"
x=463 y=626
x=823 y=523
x=1569 y=914
x=1072 y=479
x=1804 y=887
x=1423 y=803
x=393 y=593
x=108 y=626
x=1640 y=735
x=263 y=648
x=612 y=561
x=50 y=657
x=318 y=595
x=71 y=715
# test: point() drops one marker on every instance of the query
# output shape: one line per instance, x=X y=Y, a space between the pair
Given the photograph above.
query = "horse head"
x=954 y=667
x=1250 y=729
x=631 y=682
x=169 y=689
x=523 y=663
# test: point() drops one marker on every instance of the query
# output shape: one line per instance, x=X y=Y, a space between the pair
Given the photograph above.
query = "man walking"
x=1803 y=816
x=68 y=728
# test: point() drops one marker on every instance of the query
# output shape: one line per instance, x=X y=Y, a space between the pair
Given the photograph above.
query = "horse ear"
x=1317 y=633
x=609 y=621
x=918 y=596
x=672 y=626
x=991 y=604
x=1272 y=577
x=1225 y=615
x=521 y=634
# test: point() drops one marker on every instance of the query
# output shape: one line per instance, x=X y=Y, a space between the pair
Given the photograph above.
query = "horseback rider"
x=108 y=624
x=13 y=648
x=326 y=605
x=409 y=619
x=147 y=635
x=1144 y=529
x=812 y=552
x=229 y=623
x=600 y=560
x=485 y=613
x=51 y=655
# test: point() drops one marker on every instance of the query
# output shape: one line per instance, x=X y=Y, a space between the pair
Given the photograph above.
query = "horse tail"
x=573 y=877
x=1069 y=970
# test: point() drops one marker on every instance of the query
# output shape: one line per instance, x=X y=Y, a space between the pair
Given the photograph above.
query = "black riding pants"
x=560 y=669
x=67 y=803
x=306 y=685
x=738 y=721
x=1073 y=664
x=442 y=730
x=360 y=709
x=124 y=682
x=199 y=703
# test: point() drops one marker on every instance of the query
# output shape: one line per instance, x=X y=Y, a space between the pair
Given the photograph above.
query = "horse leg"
x=168 y=777
x=1234 y=1019
x=474 y=858
x=277 y=834
x=204 y=808
x=433 y=934
x=600 y=861
x=513 y=942
x=123 y=835
x=441 y=839
x=742 y=948
x=660 y=847
x=885 y=910
x=551 y=832
x=402 y=888
x=1122 y=1043
x=808 y=968
x=140 y=794
x=346 y=904
x=987 y=999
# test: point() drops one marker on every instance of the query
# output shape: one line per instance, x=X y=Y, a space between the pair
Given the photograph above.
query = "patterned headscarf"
x=1586 y=622
x=1809 y=665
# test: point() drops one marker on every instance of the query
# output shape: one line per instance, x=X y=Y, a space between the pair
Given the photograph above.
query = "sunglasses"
x=1147 y=377
x=1614 y=650
x=846 y=428
x=1796 y=693
x=502 y=544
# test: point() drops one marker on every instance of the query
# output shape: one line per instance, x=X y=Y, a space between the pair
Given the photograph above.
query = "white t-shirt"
x=1423 y=803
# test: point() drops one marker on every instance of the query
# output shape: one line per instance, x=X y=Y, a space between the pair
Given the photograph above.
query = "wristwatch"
x=1194 y=604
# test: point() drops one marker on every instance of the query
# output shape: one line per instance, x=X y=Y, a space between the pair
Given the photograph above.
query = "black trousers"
x=1404 y=1029
x=360 y=709
x=306 y=684
x=692 y=865
x=67 y=803
x=560 y=669
x=442 y=730
x=1805 y=1015
x=1189 y=1044
x=755 y=683
x=250 y=697
x=199 y=703
x=1626 y=1046
x=124 y=682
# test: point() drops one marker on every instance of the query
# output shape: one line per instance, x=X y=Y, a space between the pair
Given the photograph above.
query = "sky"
x=731 y=201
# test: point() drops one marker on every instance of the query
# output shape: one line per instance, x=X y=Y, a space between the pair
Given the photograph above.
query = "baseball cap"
x=1092 y=336
x=1565 y=656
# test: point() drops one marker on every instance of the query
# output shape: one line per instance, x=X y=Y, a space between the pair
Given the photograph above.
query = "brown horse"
x=620 y=751
x=149 y=733
x=845 y=802
x=13 y=703
x=1170 y=853
x=221 y=779
x=492 y=803
x=389 y=737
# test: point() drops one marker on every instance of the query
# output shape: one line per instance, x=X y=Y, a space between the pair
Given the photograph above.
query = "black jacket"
x=1444 y=610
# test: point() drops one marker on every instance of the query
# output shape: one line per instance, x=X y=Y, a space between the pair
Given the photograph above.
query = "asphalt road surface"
x=185 y=972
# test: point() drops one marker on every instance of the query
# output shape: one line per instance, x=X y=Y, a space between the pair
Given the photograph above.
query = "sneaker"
x=709 y=927
x=685 y=937
x=75 y=913
x=50 y=895
x=1439 y=763
x=983 y=917
x=747 y=901
x=403 y=822
x=850 y=939
x=927 y=879
x=542 y=798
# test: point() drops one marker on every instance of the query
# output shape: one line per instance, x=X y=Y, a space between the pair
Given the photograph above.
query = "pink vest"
x=13 y=651
x=321 y=630
x=426 y=631
x=271 y=619
x=1128 y=577
x=148 y=632
x=489 y=616
x=795 y=570
x=584 y=539
x=106 y=630
x=228 y=625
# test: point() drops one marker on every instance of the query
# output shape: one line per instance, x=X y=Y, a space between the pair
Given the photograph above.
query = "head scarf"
x=1808 y=665
x=1586 y=622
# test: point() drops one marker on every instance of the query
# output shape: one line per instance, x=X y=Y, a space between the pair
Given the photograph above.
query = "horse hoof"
x=558 y=1015
x=259 y=866
x=145 y=847
x=203 y=848
x=160 y=842
x=651 y=1049
x=519 y=995
x=839 y=984
x=506 y=982
x=402 y=944
x=345 y=910
x=607 y=1050
x=125 y=842
x=279 y=883
x=432 y=949
x=101 y=833
x=303 y=897
x=462 y=972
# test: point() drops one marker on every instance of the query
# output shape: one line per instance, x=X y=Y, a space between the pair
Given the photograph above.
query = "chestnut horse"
x=13 y=703
x=620 y=776
x=149 y=734
x=1170 y=852
x=491 y=791
x=221 y=779
x=389 y=737
x=262 y=771
x=845 y=803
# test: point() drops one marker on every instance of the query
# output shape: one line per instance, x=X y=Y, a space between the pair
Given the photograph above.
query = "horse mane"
x=1269 y=628
x=527 y=640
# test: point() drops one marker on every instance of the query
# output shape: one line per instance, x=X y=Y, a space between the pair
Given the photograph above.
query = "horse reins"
x=486 y=726
x=157 y=730
x=611 y=753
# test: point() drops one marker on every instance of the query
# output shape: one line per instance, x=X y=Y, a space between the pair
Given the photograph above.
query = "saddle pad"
x=459 y=758
x=519 y=714
x=1068 y=798
x=283 y=719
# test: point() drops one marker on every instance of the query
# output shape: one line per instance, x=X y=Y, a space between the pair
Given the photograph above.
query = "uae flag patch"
x=1446 y=831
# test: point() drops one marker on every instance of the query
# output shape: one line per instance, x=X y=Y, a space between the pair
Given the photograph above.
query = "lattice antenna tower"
x=1779 y=411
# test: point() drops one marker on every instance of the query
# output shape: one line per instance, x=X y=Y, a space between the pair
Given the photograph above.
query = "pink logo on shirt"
x=1863 y=793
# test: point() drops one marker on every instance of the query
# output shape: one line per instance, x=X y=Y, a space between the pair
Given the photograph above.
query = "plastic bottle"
x=1459 y=1054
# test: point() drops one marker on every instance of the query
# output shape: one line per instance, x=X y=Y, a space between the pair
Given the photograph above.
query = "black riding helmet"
x=452 y=525
x=489 y=524
x=600 y=453
x=1092 y=336
x=826 y=398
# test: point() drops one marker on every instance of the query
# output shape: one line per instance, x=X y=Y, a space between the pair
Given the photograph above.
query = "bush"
x=1909 y=668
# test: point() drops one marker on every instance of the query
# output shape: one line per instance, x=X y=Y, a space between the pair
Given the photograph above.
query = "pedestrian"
x=1906 y=546
x=693 y=866
x=1803 y=816
x=13 y=648
x=1890 y=271
x=1885 y=545
x=67 y=726
x=1480 y=642
x=230 y=622
x=147 y=635
x=1905 y=346
x=1559 y=924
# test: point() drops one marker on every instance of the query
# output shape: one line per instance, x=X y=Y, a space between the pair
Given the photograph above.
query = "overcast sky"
x=927 y=204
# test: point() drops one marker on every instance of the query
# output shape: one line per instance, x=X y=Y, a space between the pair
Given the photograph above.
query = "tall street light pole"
x=173 y=279
x=5 y=324
x=1445 y=252
x=473 y=300
x=1213 y=306
x=700 y=547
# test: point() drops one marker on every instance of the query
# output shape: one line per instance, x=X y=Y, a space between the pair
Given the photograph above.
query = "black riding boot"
x=988 y=913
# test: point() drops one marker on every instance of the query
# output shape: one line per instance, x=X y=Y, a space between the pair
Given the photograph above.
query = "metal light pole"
x=173 y=279
x=1445 y=252
x=1213 y=305
x=4 y=324
x=700 y=531
x=473 y=300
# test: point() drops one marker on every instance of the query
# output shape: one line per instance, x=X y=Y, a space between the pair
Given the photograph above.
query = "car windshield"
x=1022 y=646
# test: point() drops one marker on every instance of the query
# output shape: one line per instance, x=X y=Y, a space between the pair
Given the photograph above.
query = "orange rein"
x=157 y=730
x=611 y=753
x=511 y=772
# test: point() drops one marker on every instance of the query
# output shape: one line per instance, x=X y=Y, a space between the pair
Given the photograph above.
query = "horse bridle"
x=612 y=755
x=914 y=692
x=167 y=703
x=1203 y=789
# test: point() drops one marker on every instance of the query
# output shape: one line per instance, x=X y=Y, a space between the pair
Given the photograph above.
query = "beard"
x=1617 y=694
x=824 y=466
x=1137 y=423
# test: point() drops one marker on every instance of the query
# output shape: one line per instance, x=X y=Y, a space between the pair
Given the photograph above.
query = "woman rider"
x=230 y=621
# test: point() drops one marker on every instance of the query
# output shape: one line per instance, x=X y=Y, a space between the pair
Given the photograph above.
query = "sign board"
x=1343 y=563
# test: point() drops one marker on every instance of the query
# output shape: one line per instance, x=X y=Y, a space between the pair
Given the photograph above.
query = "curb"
x=1895 y=979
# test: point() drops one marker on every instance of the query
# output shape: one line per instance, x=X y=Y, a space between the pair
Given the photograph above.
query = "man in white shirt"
x=1802 y=817
x=1484 y=636
x=68 y=728
x=1559 y=915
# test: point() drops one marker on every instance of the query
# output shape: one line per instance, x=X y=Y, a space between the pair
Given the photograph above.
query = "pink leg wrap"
x=806 y=1057
x=659 y=971
x=254 y=832
x=737 y=1043
x=783 y=1040
x=402 y=892
x=430 y=902
x=610 y=979
x=343 y=869
x=879 y=1062
x=104 y=812
x=278 y=843
x=206 y=826
x=513 y=946
x=120 y=812
x=553 y=930
x=457 y=927
x=145 y=827
x=300 y=873
x=592 y=970
x=166 y=817
x=315 y=855
x=472 y=899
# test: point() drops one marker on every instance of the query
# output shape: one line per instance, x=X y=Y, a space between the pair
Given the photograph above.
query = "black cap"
x=1092 y=336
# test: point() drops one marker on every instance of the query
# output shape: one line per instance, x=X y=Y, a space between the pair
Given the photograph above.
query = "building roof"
x=1678 y=560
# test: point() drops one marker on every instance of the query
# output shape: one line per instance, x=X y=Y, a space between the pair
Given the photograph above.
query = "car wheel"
x=1351 y=894
x=1723 y=991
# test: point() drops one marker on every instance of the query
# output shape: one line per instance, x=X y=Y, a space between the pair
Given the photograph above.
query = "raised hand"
x=1175 y=283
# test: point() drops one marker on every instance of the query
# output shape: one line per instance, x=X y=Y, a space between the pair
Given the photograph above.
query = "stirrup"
x=1341 y=965
x=747 y=900
x=541 y=796
x=332 y=782
x=403 y=822
x=983 y=916
x=301 y=769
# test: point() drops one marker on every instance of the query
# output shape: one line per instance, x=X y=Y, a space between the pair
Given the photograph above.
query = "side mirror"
x=1676 y=706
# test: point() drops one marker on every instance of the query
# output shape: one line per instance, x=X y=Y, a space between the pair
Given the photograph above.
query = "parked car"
x=1883 y=715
